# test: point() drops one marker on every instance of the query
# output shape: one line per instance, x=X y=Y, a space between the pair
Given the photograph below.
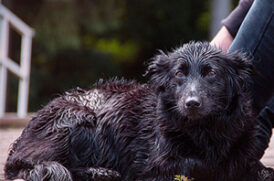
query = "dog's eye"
x=211 y=74
x=179 y=74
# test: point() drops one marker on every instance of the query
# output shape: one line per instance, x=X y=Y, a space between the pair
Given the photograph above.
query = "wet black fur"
x=143 y=131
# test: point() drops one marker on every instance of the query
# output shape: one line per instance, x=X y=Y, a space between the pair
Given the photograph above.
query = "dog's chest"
x=204 y=156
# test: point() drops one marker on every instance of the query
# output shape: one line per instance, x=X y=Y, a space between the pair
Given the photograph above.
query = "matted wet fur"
x=192 y=120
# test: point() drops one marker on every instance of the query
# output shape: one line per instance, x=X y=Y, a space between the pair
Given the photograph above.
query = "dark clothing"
x=256 y=36
x=236 y=17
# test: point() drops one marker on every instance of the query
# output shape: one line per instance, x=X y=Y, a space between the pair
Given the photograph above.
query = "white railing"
x=22 y=71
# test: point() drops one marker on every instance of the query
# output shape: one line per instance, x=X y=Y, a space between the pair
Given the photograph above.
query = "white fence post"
x=22 y=71
x=4 y=37
x=24 y=82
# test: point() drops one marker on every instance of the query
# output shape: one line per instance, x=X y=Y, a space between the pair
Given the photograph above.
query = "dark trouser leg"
x=256 y=36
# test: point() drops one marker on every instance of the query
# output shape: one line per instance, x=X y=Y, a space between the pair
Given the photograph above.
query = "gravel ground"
x=8 y=135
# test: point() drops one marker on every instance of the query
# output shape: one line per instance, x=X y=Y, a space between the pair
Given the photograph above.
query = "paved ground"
x=8 y=135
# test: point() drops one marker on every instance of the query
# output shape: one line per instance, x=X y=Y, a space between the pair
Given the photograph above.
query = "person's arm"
x=223 y=39
x=231 y=24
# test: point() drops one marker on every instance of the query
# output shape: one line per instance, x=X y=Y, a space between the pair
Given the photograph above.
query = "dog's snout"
x=193 y=102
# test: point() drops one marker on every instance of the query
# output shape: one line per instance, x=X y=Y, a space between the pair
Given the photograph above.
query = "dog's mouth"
x=193 y=114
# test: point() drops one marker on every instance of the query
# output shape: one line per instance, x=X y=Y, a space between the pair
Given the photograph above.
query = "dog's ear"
x=158 y=69
x=242 y=67
x=239 y=67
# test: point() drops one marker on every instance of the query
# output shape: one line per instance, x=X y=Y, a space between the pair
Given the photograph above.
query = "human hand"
x=223 y=39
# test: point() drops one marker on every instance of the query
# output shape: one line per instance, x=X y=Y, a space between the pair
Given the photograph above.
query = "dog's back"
x=105 y=126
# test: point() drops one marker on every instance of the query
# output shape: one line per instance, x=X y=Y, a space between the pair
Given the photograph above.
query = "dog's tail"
x=54 y=171
x=45 y=171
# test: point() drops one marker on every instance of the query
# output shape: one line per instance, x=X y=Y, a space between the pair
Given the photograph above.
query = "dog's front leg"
x=166 y=168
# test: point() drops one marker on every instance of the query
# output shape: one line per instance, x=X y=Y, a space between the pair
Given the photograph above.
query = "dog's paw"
x=266 y=174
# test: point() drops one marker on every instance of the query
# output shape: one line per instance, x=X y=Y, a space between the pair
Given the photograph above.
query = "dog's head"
x=199 y=80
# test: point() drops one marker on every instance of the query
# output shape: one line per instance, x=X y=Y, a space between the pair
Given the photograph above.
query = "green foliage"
x=56 y=26
x=78 y=42
x=121 y=52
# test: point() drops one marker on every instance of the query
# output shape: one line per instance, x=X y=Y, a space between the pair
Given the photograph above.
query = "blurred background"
x=77 y=42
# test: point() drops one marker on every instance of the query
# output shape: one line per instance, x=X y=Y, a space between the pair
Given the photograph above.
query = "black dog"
x=192 y=121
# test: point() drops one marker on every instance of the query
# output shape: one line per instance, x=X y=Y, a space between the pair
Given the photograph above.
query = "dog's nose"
x=193 y=102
